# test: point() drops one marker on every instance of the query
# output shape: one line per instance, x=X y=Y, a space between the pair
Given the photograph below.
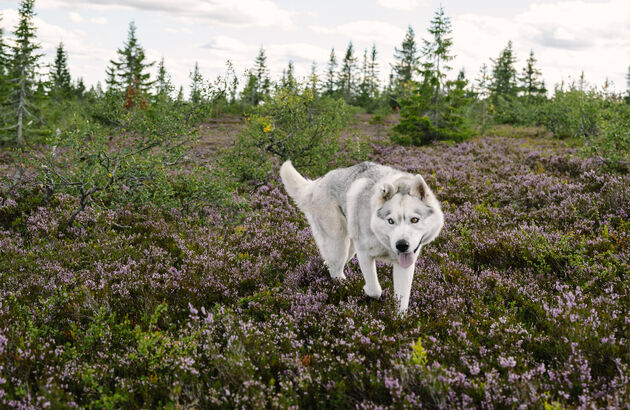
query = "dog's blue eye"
x=414 y=220
x=390 y=221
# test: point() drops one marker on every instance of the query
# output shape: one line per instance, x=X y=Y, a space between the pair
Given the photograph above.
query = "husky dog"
x=373 y=210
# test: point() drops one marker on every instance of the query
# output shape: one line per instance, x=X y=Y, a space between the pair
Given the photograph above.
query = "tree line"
x=433 y=103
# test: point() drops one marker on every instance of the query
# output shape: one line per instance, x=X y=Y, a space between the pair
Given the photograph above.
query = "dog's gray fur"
x=372 y=210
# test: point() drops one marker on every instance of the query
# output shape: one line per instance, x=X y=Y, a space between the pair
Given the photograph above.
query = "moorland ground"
x=522 y=301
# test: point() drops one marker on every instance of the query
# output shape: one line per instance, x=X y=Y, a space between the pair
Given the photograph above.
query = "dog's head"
x=406 y=215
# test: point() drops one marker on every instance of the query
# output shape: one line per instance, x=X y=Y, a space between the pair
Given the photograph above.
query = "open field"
x=523 y=299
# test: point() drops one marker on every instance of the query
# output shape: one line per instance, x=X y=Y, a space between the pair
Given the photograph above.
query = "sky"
x=567 y=37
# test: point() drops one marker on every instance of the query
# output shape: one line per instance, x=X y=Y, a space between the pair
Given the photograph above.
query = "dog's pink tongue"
x=405 y=259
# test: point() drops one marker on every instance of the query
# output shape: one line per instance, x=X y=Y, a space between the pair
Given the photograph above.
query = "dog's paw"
x=338 y=276
x=373 y=292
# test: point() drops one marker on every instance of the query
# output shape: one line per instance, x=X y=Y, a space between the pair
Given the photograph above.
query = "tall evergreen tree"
x=23 y=67
x=346 y=82
x=407 y=61
x=258 y=83
x=368 y=87
x=483 y=82
x=288 y=77
x=60 y=81
x=4 y=83
x=373 y=72
x=163 y=84
x=313 y=79
x=131 y=68
x=262 y=75
x=503 y=83
x=436 y=51
x=196 y=85
x=329 y=87
x=530 y=80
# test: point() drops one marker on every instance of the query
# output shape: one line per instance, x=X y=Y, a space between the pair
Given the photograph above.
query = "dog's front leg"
x=368 y=267
x=403 y=277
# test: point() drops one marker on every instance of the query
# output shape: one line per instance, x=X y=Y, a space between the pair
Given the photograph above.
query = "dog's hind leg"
x=332 y=241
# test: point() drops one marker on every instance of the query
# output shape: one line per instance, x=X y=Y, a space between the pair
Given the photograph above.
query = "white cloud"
x=367 y=31
x=259 y=13
x=75 y=17
x=98 y=20
x=85 y=59
x=404 y=5
x=567 y=37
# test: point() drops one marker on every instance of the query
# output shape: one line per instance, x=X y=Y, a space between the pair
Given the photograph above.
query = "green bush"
x=293 y=125
x=572 y=113
x=132 y=161
x=425 y=118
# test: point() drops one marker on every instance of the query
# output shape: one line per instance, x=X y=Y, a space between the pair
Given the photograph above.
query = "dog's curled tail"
x=295 y=184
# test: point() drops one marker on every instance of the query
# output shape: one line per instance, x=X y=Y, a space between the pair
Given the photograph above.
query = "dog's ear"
x=387 y=191
x=420 y=188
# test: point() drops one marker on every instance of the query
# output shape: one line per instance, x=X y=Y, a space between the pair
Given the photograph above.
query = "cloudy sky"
x=567 y=36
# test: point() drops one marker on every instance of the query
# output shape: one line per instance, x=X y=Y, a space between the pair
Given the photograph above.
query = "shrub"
x=292 y=124
x=572 y=113
x=424 y=119
x=135 y=166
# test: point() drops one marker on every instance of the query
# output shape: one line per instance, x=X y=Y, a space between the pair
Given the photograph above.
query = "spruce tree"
x=436 y=51
x=196 y=85
x=22 y=73
x=288 y=77
x=258 y=83
x=263 y=82
x=503 y=83
x=532 y=86
x=346 y=82
x=163 y=84
x=131 y=68
x=329 y=87
x=373 y=72
x=313 y=79
x=4 y=83
x=483 y=82
x=407 y=60
x=60 y=81
x=363 y=96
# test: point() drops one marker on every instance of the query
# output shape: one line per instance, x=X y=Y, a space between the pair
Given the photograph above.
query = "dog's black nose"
x=402 y=246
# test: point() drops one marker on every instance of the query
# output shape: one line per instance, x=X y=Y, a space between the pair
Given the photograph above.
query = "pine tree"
x=313 y=79
x=288 y=77
x=23 y=66
x=346 y=82
x=363 y=96
x=4 y=68
x=531 y=84
x=163 y=84
x=329 y=87
x=61 y=83
x=407 y=61
x=373 y=73
x=483 y=82
x=436 y=51
x=79 y=87
x=232 y=80
x=131 y=68
x=196 y=85
x=263 y=81
x=258 y=84
x=503 y=83
x=628 y=82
